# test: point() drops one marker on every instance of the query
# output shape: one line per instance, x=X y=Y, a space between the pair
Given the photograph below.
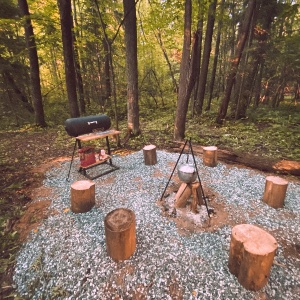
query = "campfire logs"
x=187 y=190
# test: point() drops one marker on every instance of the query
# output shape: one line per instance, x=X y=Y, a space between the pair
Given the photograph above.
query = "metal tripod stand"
x=205 y=198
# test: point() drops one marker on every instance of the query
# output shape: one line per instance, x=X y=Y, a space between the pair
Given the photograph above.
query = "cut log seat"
x=275 y=191
x=252 y=251
x=120 y=233
x=150 y=157
x=210 y=156
x=82 y=196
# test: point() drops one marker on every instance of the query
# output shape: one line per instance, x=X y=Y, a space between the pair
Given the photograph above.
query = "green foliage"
x=266 y=132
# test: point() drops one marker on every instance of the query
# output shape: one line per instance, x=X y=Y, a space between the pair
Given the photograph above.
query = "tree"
x=236 y=60
x=206 y=56
x=215 y=63
x=133 y=125
x=182 y=100
x=34 y=65
x=66 y=23
x=77 y=64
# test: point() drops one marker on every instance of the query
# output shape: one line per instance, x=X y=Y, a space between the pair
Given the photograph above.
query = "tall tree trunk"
x=112 y=88
x=34 y=65
x=206 y=57
x=216 y=56
x=182 y=100
x=257 y=87
x=200 y=36
x=77 y=64
x=236 y=60
x=106 y=70
x=66 y=23
x=133 y=125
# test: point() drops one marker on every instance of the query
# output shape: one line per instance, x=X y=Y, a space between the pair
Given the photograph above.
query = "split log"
x=275 y=191
x=197 y=197
x=120 y=233
x=252 y=251
x=197 y=193
x=183 y=194
x=82 y=196
x=150 y=157
x=210 y=156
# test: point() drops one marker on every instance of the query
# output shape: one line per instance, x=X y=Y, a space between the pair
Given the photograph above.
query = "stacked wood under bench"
x=107 y=160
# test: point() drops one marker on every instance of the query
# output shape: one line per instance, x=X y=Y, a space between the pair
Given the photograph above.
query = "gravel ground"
x=66 y=257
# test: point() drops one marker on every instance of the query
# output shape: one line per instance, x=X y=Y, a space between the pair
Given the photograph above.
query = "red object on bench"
x=87 y=156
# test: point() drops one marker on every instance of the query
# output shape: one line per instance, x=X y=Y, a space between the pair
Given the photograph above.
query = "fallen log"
x=284 y=167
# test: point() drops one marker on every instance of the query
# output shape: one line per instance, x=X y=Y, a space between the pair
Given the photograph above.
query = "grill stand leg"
x=68 y=177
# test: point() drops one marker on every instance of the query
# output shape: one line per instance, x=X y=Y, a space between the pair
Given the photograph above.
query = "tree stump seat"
x=275 y=191
x=120 y=233
x=82 y=196
x=210 y=156
x=252 y=251
x=150 y=157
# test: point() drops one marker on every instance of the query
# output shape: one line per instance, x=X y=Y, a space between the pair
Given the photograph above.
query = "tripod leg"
x=202 y=191
x=72 y=159
x=173 y=170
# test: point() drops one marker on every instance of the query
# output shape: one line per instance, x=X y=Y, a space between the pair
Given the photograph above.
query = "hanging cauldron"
x=187 y=172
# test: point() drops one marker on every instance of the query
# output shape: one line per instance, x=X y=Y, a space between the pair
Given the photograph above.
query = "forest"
x=224 y=73
x=130 y=59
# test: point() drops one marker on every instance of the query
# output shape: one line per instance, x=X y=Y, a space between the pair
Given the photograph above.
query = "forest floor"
x=25 y=157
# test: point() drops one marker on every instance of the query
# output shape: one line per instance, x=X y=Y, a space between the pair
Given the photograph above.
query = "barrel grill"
x=83 y=125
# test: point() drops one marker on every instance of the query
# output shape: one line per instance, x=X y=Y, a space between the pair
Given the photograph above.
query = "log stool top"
x=149 y=147
x=82 y=184
x=210 y=148
x=277 y=180
x=119 y=219
x=254 y=239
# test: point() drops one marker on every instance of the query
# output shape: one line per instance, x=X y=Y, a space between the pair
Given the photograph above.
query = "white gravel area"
x=66 y=257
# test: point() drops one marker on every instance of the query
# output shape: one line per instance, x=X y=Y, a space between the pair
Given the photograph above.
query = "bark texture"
x=131 y=67
x=236 y=60
x=66 y=22
x=34 y=65
x=182 y=101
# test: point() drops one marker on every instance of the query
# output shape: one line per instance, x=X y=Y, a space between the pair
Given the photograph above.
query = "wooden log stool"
x=82 y=196
x=252 y=251
x=187 y=190
x=210 y=156
x=150 y=157
x=275 y=191
x=120 y=233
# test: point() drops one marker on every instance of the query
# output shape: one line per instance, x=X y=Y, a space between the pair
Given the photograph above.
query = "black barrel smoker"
x=83 y=125
x=98 y=126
